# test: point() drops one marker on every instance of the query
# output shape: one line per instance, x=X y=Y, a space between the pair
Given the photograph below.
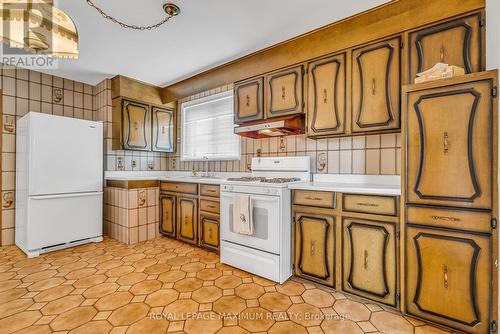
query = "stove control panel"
x=248 y=189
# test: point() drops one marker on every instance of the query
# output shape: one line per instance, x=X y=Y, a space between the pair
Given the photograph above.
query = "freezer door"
x=60 y=219
x=65 y=155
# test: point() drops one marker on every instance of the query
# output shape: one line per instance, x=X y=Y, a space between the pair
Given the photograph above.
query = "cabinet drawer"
x=209 y=190
x=450 y=218
x=186 y=188
x=379 y=205
x=209 y=206
x=314 y=198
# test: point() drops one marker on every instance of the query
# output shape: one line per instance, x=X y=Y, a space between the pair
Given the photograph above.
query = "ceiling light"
x=37 y=26
x=169 y=8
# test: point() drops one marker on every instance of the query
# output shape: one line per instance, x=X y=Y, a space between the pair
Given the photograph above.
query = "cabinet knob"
x=445 y=276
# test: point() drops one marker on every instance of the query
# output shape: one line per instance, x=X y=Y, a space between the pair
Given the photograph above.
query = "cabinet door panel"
x=376 y=86
x=187 y=219
x=163 y=130
x=369 y=254
x=136 y=128
x=327 y=96
x=450 y=145
x=209 y=230
x=249 y=101
x=458 y=43
x=168 y=215
x=284 y=92
x=315 y=247
x=448 y=278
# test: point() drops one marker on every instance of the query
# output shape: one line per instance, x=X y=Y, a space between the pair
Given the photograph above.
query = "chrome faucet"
x=206 y=167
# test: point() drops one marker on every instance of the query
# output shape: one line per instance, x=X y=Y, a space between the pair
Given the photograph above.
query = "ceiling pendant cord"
x=170 y=9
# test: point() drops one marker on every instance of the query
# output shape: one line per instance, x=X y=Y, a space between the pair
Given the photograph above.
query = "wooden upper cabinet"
x=285 y=92
x=326 y=96
x=369 y=259
x=168 y=215
x=450 y=144
x=163 y=130
x=448 y=278
x=376 y=86
x=249 y=100
x=459 y=42
x=136 y=126
x=187 y=212
x=315 y=246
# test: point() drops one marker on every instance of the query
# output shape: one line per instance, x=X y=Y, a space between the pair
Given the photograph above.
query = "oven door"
x=266 y=222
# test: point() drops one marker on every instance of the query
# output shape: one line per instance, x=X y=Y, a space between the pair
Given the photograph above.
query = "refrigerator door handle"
x=40 y=197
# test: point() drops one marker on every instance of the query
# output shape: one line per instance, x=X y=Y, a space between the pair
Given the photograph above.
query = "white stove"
x=267 y=251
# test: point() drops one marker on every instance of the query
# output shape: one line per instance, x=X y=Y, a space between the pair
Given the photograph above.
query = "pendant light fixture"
x=37 y=26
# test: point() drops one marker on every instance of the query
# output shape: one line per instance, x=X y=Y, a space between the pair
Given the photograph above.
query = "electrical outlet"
x=119 y=163
x=134 y=164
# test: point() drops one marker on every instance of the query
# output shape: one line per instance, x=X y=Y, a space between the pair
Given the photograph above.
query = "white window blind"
x=208 y=129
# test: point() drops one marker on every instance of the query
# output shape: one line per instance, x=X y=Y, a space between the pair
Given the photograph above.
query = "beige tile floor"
x=163 y=285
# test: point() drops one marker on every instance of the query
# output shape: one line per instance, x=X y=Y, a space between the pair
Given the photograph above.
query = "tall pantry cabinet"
x=450 y=186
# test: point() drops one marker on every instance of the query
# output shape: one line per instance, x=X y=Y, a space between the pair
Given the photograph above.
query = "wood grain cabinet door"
x=168 y=215
x=209 y=232
x=326 y=96
x=163 y=130
x=369 y=259
x=448 y=278
x=136 y=126
x=315 y=247
x=187 y=219
x=285 y=92
x=459 y=42
x=249 y=100
x=376 y=86
x=450 y=145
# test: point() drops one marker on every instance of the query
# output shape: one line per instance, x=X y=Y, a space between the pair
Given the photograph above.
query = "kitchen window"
x=208 y=129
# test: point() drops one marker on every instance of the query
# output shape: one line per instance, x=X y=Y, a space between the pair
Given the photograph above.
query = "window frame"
x=200 y=101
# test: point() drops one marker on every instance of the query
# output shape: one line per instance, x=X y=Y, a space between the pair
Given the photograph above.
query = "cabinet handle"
x=373 y=86
x=366 y=259
x=446 y=143
x=283 y=92
x=248 y=100
x=211 y=206
x=441 y=54
x=445 y=269
x=210 y=232
x=325 y=96
x=313 y=198
x=210 y=191
x=163 y=130
x=313 y=251
x=136 y=126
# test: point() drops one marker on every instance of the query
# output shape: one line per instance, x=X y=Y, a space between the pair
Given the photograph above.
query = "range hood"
x=277 y=127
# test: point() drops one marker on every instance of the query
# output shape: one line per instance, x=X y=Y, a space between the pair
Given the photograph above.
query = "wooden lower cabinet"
x=168 y=215
x=370 y=259
x=448 y=278
x=315 y=245
x=187 y=222
x=209 y=231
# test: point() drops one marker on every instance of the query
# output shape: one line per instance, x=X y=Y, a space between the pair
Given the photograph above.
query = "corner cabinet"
x=460 y=42
x=249 y=100
x=326 y=96
x=376 y=86
x=163 y=130
x=136 y=127
x=284 y=95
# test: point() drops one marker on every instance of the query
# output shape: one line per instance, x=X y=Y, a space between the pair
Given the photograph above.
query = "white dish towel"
x=242 y=215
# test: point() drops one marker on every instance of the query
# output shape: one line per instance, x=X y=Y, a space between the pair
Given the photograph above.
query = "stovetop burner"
x=264 y=179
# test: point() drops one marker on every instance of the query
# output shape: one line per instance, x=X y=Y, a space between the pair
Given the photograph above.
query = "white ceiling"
x=207 y=33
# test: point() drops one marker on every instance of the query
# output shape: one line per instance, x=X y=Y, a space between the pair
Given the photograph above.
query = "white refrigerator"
x=59 y=176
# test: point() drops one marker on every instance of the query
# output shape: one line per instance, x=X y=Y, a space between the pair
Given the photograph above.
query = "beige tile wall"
x=376 y=154
x=131 y=216
x=23 y=91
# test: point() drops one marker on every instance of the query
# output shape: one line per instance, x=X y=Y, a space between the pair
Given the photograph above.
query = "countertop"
x=354 y=184
x=215 y=178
